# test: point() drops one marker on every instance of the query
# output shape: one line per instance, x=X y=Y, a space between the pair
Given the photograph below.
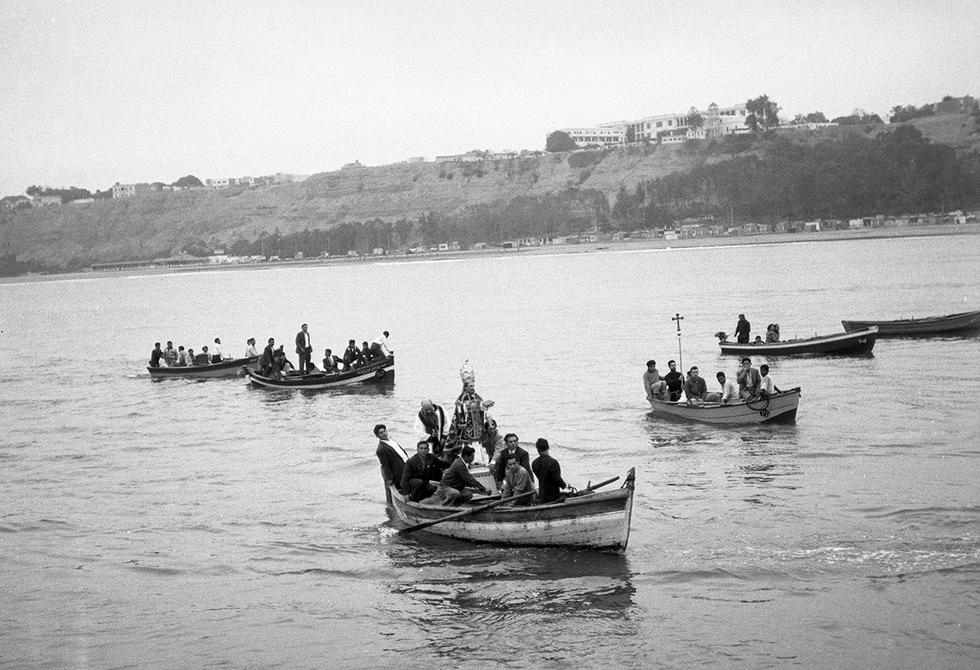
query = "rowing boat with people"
x=234 y=367
x=382 y=369
x=839 y=344
x=778 y=408
x=589 y=519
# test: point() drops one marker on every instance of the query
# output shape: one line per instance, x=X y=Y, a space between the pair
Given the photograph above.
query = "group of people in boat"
x=439 y=472
x=273 y=361
x=752 y=383
x=743 y=331
x=181 y=357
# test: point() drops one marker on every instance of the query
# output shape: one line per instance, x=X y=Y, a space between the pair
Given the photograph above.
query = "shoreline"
x=942 y=230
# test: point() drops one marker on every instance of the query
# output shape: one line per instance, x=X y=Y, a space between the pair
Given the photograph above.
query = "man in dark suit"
x=548 y=472
x=304 y=349
x=267 y=363
x=511 y=446
x=420 y=470
x=391 y=456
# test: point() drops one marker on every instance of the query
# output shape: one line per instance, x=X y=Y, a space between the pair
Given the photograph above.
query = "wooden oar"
x=465 y=512
x=590 y=487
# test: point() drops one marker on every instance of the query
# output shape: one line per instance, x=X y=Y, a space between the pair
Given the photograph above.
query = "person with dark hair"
x=742 y=329
x=420 y=470
x=548 y=472
x=250 y=349
x=430 y=424
x=695 y=388
x=216 y=356
x=675 y=382
x=170 y=354
x=352 y=356
x=457 y=482
x=379 y=346
x=331 y=363
x=511 y=447
x=391 y=456
x=202 y=358
x=766 y=385
x=156 y=355
x=748 y=379
x=304 y=348
x=655 y=387
x=267 y=363
x=517 y=480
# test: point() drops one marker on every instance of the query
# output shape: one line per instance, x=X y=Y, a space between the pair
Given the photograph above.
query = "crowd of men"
x=752 y=384
x=273 y=361
x=442 y=476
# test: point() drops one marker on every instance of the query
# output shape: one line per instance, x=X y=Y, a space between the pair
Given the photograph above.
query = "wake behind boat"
x=931 y=325
x=234 y=367
x=591 y=520
x=778 y=408
x=382 y=369
x=855 y=343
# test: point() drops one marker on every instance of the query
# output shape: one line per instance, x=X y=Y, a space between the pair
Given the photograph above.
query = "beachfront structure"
x=129 y=190
x=709 y=123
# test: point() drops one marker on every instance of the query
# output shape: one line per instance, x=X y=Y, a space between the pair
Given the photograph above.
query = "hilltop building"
x=709 y=123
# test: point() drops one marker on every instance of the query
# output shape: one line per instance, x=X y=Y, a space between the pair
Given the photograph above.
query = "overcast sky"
x=97 y=92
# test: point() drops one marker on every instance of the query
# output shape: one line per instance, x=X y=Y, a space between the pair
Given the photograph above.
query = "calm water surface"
x=202 y=523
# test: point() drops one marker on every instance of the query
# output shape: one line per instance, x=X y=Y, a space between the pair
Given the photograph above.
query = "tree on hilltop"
x=559 y=140
x=764 y=111
x=188 y=181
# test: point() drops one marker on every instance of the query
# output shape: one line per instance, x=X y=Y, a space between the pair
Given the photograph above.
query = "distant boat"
x=930 y=325
x=856 y=343
x=779 y=408
x=380 y=370
x=593 y=520
x=234 y=367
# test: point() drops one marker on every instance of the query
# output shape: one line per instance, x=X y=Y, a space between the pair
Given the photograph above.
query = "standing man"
x=391 y=456
x=170 y=354
x=216 y=356
x=156 y=355
x=748 y=379
x=675 y=382
x=304 y=349
x=420 y=470
x=548 y=472
x=267 y=363
x=512 y=447
x=456 y=482
x=742 y=329
x=430 y=425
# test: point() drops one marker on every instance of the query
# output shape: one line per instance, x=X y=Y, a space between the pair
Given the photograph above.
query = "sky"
x=96 y=92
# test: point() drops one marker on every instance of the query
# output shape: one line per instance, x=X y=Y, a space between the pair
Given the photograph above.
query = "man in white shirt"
x=728 y=392
x=216 y=356
x=379 y=346
x=766 y=384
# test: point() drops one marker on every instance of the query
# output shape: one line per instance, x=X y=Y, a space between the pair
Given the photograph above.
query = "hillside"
x=160 y=224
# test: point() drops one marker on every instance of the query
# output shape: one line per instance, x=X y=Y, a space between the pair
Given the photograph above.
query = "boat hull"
x=236 y=367
x=779 y=408
x=381 y=370
x=932 y=325
x=597 y=520
x=840 y=344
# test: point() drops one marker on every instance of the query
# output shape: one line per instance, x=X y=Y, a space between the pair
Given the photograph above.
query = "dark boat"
x=778 y=408
x=234 y=367
x=382 y=369
x=594 y=520
x=929 y=325
x=856 y=343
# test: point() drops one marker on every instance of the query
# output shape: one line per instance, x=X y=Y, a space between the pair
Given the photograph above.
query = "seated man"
x=420 y=470
x=331 y=363
x=366 y=353
x=655 y=387
x=352 y=356
x=728 y=393
x=695 y=388
x=457 y=482
x=766 y=385
x=203 y=358
x=748 y=379
x=517 y=480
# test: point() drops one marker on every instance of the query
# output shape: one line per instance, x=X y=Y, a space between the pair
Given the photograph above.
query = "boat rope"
x=763 y=409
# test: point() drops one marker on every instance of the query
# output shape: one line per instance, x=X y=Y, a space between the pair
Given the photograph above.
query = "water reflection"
x=464 y=597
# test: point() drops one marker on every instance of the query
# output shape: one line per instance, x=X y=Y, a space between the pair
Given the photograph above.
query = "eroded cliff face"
x=158 y=224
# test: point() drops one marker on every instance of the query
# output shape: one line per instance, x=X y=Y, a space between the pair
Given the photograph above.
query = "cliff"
x=159 y=224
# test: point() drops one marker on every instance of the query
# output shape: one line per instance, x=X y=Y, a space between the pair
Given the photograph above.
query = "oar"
x=590 y=487
x=465 y=512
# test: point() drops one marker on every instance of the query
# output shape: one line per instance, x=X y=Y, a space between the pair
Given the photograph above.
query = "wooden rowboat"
x=839 y=344
x=779 y=408
x=235 y=367
x=380 y=370
x=930 y=325
x=595 y=520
